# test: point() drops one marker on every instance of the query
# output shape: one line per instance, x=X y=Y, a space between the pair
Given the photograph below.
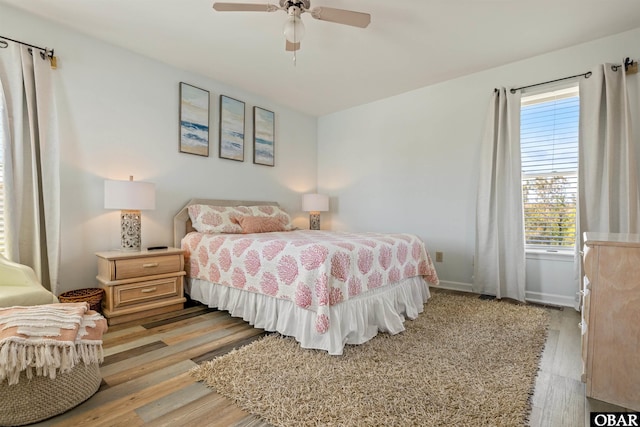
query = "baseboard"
x=456 y=286
x=552 y=299
x=535 y=297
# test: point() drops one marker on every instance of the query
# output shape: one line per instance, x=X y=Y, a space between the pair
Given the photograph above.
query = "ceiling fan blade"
x=341 y=16
x=292 y=47
x=244 y=7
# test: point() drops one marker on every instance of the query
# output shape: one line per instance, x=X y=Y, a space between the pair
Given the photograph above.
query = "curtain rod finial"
x=630 y=66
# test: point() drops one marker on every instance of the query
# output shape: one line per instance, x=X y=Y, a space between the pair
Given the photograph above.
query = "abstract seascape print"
x=194 y=120
x=264 y=137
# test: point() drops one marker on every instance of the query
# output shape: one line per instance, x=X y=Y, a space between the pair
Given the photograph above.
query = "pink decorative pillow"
x=259 y=224
x=272 y=211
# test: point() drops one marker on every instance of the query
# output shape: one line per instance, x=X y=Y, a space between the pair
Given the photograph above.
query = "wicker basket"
x=40 y=398
x=91 y=295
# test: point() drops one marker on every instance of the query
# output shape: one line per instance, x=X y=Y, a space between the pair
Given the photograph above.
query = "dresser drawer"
x=584 y=354
x=143 y=292
x=584 y=339
x=147 y=266
x=586 y=299
x=588 y=261
x=584 y=325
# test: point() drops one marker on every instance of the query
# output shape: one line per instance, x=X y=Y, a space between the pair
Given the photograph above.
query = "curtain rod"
x=45 y=51
x=627 y=64
x=585 y=75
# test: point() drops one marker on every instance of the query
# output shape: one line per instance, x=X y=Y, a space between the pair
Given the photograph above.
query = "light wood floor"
x=559 y=397
x=146 y=377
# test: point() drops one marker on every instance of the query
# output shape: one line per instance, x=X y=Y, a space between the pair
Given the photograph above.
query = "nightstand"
x=139 y=284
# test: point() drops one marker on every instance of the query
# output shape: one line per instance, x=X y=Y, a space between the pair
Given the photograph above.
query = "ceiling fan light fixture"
x=294 y=27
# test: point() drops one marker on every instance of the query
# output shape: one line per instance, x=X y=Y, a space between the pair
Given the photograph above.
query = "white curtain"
x=499 y=265
x=609 y=200
x=31 y=155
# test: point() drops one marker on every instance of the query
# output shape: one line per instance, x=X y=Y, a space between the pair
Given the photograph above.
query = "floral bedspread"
x=314 y=269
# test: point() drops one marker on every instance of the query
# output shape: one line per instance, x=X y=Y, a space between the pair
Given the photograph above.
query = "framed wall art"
x=263 y=137
x=231 y=129
x=194 y=120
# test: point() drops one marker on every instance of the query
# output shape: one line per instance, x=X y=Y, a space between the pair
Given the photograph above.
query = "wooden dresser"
x=140 y=284
x=611 y=318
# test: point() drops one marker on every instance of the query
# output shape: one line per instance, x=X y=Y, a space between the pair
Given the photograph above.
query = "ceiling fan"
x=293 y=27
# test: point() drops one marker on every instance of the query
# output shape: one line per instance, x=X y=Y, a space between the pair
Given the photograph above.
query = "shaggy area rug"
x=463 y=362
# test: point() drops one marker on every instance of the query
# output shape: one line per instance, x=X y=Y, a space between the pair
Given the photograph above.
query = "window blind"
x=549 y=153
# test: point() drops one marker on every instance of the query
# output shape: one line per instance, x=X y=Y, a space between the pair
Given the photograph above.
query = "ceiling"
x=409 y=43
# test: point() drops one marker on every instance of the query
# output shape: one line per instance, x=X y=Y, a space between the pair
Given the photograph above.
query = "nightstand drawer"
x=147 y=266
x=142 y=292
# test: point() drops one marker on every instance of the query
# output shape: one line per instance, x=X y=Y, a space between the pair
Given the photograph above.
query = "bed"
x=325 y=289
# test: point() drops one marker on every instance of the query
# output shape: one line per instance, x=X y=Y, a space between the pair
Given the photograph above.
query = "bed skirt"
x=354 y=321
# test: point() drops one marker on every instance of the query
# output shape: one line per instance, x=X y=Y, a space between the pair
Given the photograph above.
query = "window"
x=549 y=150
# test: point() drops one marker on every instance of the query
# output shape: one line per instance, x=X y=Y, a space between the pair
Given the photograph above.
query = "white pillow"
x=219 y=219
x=216 y=219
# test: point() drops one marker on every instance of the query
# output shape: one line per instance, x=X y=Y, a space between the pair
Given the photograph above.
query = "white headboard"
x=182 y=222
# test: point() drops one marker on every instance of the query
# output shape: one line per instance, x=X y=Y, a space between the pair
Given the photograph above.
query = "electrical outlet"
x=439 y=256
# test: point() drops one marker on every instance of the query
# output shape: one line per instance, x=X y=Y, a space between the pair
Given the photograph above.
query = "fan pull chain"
x=295 y=50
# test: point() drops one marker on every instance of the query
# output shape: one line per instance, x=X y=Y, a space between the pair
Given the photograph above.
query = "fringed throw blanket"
x=48 y=339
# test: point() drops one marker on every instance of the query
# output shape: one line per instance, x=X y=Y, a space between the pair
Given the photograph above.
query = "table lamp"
x=130 y=197
x=314 y=204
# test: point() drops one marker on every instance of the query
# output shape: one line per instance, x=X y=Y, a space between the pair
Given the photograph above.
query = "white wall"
x=409 y=163
x=406 y=163
x=118 y=115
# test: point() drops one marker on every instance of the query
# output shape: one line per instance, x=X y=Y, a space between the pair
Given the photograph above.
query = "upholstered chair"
x=20 y=286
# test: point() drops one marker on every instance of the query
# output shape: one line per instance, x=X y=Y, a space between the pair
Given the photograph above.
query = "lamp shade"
x=315 y=202
x=293 y=29
x=129 y=195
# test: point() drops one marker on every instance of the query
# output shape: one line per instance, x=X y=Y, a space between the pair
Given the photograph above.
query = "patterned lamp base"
x=130 y=229
x=314 y=221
